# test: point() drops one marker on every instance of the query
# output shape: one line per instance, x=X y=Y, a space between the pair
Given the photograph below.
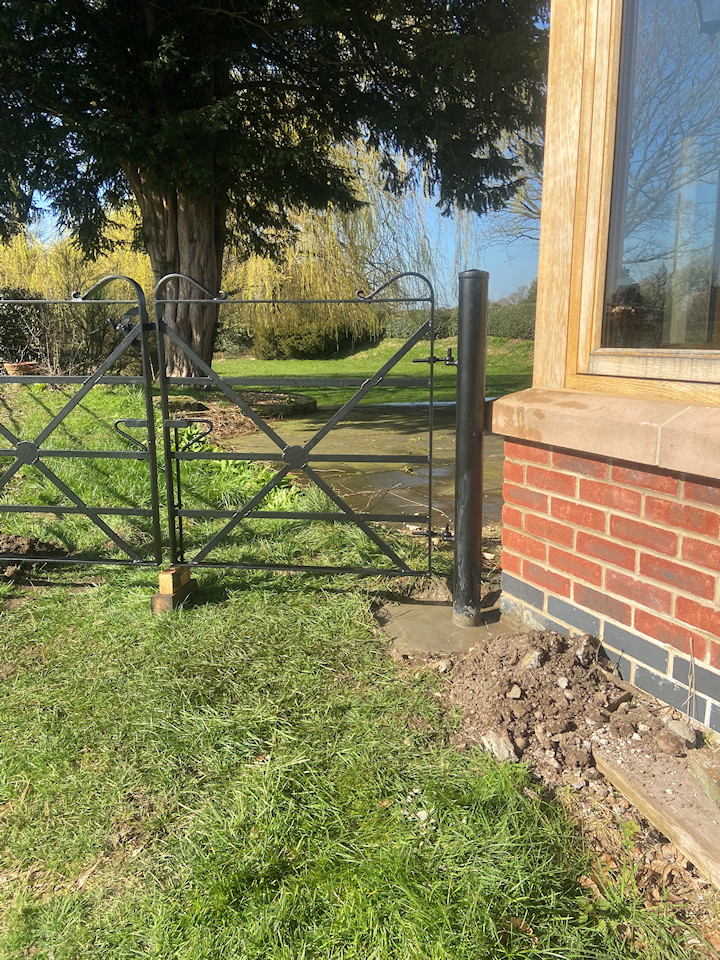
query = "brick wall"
x=626 y=552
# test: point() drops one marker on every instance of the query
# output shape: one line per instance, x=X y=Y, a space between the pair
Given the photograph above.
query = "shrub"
x=235 y=329
x=310 y=330
x=76 y=339
x=404 y=323
x=61 y=337
x=17 y=323
x=514 y=321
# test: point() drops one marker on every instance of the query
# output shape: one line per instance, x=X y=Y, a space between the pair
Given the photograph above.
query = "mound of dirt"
x=546 y=699
x=20 y=552
x=230 y=422
x=553 y=702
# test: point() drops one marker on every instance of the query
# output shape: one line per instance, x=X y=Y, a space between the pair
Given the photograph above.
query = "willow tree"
x=333 y=253
x=218 y=118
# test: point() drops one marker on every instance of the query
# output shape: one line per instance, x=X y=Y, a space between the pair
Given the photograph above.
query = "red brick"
x=512 y=517
x=703 y=492
x=513 y=471
x=601 y=603
x=552 y=582
x=639 y=591
x=697 y=615
x=714 y=658
x=510 y=563
x=525 y=451
x=675 y=514
x=670 y=633
x=702 y=553
x=525 y=546
x=644 y=535
x=549 y=530
x=648 y=479
x=678 y=576
x=575 y=566
x=522 y=497
x=620 y=498
x=607 y=550
x=551 y=480
x=573 y=463
x=578 y=513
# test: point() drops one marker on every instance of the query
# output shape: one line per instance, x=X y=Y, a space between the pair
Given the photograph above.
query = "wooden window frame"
x=583 y=95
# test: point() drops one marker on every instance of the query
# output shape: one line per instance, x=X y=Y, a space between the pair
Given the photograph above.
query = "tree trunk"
x=184 y=235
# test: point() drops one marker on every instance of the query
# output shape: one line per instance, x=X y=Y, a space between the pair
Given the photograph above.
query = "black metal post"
x=171 y=505
x=145 y=329
x=472 y=338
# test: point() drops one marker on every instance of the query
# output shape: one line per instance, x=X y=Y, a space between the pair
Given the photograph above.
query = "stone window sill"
x=657 y=433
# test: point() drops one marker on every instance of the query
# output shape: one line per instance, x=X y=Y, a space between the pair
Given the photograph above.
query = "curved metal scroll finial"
x=215 y=297
x=366 y=298
x=101 y=284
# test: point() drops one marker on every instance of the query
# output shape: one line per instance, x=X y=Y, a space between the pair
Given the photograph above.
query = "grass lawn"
x=509 y=368
x=252 y=778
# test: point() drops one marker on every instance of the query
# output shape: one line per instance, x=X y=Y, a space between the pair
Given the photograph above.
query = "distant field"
x=509 y=368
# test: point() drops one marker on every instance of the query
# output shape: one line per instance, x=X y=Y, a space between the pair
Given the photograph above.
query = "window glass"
x=664 y=252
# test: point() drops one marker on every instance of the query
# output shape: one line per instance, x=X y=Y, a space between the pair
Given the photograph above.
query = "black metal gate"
x=135 y=330
x=183 y=443
x=290 y=458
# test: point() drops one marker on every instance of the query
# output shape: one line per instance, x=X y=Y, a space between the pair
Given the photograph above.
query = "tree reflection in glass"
x=664 y=251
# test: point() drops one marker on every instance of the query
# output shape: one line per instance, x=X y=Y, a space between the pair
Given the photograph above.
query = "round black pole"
x=472 y=338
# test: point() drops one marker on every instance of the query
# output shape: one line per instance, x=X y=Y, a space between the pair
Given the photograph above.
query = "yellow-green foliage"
x=56 y=268
x=335 y=253
x=66 y=338
x=325 y=262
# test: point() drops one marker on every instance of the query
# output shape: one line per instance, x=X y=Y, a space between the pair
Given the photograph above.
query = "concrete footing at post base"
x=425 y=627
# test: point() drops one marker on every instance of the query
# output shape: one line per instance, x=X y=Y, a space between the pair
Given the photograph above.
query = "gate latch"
x=449 y=360
x=130 y=424
x=183 y=424
x=447 y=536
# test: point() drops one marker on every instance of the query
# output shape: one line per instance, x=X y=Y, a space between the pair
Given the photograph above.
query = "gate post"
x=472 y=342
x=145 y=329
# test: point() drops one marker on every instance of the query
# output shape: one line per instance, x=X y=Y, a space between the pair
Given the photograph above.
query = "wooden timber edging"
x=668 y=795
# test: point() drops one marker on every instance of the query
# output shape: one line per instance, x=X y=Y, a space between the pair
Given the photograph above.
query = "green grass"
x=252 y=778
x=509 y=368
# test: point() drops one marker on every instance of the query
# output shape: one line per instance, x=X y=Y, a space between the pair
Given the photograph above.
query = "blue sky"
x=510 y=264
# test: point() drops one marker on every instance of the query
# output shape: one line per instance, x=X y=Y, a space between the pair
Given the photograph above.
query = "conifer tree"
x=218 y=118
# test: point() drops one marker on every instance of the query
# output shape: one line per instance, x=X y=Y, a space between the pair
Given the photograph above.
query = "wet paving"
x=391 y=430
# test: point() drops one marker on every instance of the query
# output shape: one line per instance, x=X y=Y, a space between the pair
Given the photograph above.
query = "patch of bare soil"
x=24 y=552
x=543 y=698
x=230 y=422
x=554 y=702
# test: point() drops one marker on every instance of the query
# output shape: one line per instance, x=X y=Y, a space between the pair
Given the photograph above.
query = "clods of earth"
x=554 y=703
x=546 y=699
x=228 y=419
x=23 y=550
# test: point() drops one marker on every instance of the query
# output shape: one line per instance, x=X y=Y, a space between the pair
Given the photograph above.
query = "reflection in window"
x=664 y=252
